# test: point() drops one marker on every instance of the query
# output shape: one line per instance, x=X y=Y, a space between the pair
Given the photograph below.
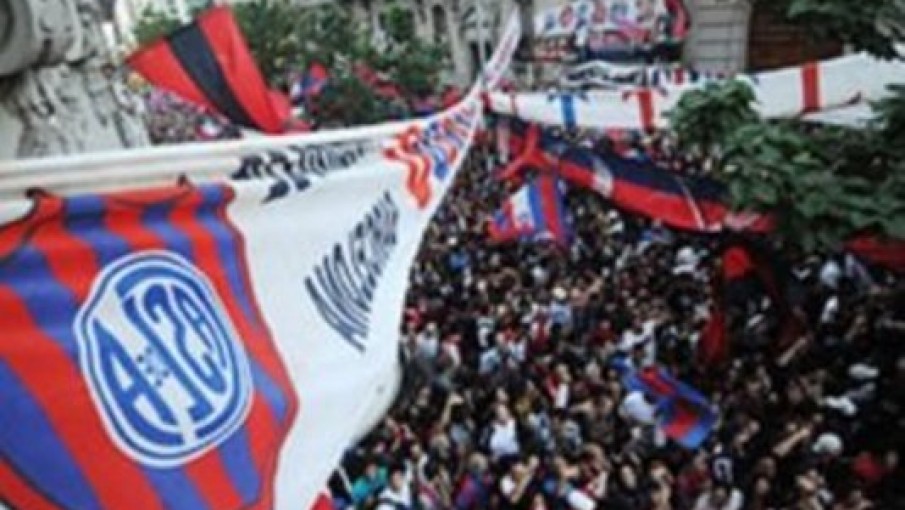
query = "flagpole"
x=526 y=11
x=482 y=49
x=482 y=68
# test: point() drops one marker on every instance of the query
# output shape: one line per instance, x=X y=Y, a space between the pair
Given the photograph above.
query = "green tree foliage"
x=412 y=63
x=154 y=24
x=824 y=184
x=335 y=40
x=874 y=26
x=285 y=37
x=705 y=116
x=272 y=30
x=891 y=122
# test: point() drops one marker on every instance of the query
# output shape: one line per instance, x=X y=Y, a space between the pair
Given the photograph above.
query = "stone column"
x=458 y=48
x=60 y=92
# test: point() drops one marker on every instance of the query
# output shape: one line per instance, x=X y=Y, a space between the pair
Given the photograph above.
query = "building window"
x=397 y=21
x=476 y=56
x=439 y=18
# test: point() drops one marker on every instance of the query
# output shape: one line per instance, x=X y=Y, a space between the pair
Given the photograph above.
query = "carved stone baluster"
x=59 y=90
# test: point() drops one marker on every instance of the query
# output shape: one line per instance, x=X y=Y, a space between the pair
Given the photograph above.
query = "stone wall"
x=719 y=35
x=59 y=92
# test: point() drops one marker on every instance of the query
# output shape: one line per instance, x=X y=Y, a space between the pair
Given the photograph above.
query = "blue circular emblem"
x=162 y=359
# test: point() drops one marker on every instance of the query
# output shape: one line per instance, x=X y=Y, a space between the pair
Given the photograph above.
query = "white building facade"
x=718 y=40
x=459 y=25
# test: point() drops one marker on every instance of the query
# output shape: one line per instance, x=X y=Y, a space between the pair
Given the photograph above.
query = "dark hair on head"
x=431 y=469
x=409 y=446
x=458 y=413
x=572 y=454
x=722 y=484
x=517 y=387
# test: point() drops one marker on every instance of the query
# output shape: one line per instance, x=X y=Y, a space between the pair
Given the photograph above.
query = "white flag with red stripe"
x=783 y=93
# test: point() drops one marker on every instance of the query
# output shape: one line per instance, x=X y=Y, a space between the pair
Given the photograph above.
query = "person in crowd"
x=369 y=484
x=398 y=493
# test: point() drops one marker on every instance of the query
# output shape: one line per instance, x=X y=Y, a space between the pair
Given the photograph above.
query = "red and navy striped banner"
x=641 y=187
x=208 y=62
x=632 y=184
x=536 y=211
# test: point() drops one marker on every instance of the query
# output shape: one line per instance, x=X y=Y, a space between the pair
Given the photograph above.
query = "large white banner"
x=599 y=74
x=783 y=93
x=208 y=326
x=499 y=63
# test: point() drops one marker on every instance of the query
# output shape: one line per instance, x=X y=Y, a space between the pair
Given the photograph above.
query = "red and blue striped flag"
x=68 y=459
x=208 y=63
x=311 y=83
x=535 y=211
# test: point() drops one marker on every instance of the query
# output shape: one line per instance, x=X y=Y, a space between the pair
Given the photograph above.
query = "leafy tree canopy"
x=153 y=24
x=825 y=184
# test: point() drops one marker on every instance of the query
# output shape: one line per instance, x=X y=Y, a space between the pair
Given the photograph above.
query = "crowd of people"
x=170 y=119
x=511 y=399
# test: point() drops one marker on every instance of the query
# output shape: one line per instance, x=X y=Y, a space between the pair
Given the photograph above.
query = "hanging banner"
x=604 y=75
x=638 y=186
x=783 y=93
x=614 y=30
x=208 y=326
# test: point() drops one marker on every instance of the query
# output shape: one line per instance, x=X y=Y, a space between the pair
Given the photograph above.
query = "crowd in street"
x=511 y=399
x=170 y=119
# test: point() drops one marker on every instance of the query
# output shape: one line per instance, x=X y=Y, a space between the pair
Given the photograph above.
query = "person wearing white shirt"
x=636 y=407
x=503 y=434
x=641 y=332
x=428 y=342
x=560 y=309
x=721 y=497
x=398 y=493
x=830 y=274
